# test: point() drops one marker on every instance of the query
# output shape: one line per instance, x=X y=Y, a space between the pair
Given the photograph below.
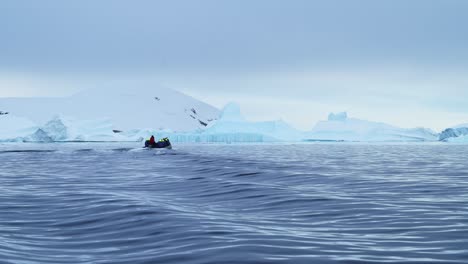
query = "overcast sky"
x=399 y=61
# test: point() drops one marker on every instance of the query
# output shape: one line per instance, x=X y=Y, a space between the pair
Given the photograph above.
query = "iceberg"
x=115 y=113
x=230 y=127
x=455 y=134
x=339 y=127
x=233 y=127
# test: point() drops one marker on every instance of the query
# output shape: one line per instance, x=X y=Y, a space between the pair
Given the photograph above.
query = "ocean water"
x=304 y=203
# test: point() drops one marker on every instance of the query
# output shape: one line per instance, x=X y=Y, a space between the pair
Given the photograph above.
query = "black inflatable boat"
x=163 y=143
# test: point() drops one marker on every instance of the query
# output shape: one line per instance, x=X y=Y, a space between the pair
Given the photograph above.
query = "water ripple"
x=311 y=203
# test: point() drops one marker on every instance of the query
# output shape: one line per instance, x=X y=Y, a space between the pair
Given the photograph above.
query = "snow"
x=94 y=115
x=140 y=107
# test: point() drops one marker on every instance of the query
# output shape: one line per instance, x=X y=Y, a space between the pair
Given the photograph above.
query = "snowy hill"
x=339 y=127
x=100 y=113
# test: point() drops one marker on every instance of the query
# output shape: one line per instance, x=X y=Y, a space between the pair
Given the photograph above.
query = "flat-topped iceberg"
x=233 y=126
x=339 y=127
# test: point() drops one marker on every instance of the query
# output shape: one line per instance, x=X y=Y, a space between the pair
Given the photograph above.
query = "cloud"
x=399 y=61
x=64 y=36
x=14 y=84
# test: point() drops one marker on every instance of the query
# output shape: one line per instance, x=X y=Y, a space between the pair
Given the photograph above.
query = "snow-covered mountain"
x=339 y=127
x=103 y=113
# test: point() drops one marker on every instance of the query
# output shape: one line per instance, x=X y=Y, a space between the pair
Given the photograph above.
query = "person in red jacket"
x=151 y=141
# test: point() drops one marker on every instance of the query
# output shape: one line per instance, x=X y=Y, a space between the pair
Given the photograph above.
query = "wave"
x=228 y=204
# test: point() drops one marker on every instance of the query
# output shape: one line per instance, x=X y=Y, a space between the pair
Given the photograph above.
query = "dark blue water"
x=317 y=203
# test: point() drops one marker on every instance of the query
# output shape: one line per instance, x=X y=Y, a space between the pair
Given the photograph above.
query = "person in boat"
x=162 y=143
x=150 y=142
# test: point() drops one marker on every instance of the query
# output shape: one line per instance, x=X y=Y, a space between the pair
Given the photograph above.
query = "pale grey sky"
x=397 y=61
